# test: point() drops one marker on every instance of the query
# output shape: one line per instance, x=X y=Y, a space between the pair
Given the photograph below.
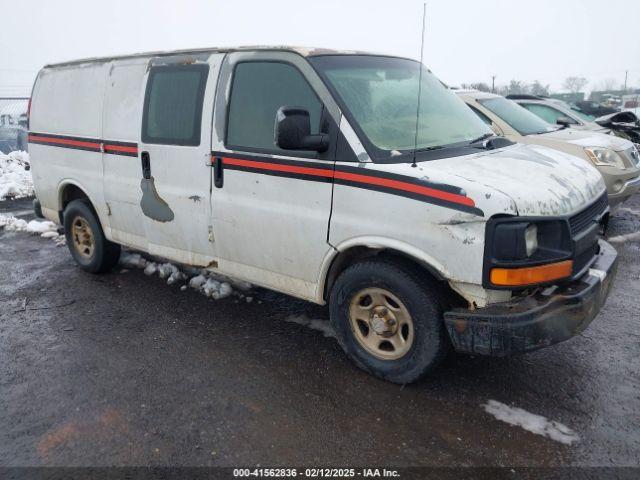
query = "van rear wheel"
x=86 y=241
x=389 y=320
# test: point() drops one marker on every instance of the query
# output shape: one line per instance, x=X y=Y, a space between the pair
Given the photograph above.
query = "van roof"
x=304 y=51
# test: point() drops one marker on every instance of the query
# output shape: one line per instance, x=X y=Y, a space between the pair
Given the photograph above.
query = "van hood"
x=520 y=180
x=586 y=138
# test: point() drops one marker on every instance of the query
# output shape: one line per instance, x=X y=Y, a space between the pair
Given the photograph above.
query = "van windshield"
x=381 y=95
x=520 y=119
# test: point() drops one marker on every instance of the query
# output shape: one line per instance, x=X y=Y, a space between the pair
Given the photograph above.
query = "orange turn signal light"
x=518 y=277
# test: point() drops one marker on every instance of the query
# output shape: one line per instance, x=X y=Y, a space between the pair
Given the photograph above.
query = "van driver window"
x=173 y=105
x=259 y=89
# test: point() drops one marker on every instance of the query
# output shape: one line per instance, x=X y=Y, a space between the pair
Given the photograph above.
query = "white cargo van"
x=300 y=170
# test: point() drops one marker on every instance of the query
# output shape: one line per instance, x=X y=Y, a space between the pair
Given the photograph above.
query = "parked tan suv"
x=617 y=159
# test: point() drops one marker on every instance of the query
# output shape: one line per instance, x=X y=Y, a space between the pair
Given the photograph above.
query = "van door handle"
x=145 y=159
x=218 y=172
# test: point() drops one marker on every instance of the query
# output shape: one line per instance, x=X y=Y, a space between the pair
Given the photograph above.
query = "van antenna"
x=415 y=140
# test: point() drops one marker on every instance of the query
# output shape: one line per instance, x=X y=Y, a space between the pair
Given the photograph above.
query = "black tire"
x=422 y=298
x=105 y=254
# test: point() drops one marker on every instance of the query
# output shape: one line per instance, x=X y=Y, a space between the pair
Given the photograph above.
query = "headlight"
x=605 y=157
x=515 y=240
x=531 y=239
x=520 y=252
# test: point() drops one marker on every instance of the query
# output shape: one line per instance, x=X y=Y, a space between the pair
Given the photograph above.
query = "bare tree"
x=575 y=84
x=538 y=88
x=515 y=87
x=483 y=87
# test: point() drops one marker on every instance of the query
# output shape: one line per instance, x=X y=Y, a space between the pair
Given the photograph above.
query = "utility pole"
x=493 y=83
x=626 y=73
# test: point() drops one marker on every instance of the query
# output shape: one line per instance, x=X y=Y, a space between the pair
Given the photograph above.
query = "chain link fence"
x=13 y=123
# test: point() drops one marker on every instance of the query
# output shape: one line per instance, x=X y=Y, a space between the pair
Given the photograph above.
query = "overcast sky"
x=466 y=40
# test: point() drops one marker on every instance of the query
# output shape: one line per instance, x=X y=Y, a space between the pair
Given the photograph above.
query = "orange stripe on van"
x=64 y=141
x=355 y=179
x=407 y=187
x=316 y=172
x=121 y=148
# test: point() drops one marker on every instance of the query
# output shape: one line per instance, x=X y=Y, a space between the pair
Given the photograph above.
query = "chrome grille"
x=582 y=220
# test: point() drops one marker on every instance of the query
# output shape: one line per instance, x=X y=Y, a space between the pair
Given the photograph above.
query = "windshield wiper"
x=428 y=149
x=482 y=137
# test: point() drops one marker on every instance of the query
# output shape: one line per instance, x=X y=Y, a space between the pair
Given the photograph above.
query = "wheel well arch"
x=66 y=194
x=343 y=259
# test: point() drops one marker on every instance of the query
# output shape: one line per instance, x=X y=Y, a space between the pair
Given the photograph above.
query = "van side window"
x=173 y=105
x=258 y=90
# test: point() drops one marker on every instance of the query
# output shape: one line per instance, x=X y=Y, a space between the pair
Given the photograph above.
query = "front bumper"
x=539 y=320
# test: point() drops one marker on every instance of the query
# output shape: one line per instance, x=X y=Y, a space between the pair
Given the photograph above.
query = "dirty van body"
x=300 y=170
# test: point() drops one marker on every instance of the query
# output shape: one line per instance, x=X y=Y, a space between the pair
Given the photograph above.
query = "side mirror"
x=564 y=121
x=293 y=131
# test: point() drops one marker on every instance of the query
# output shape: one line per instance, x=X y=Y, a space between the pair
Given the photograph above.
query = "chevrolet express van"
x=300 y=170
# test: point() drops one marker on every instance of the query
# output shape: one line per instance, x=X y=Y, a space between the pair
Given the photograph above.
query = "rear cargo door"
x=175 y=157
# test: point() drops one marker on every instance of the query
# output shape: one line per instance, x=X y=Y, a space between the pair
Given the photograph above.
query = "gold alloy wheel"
x=83 y=240
x=381 y=323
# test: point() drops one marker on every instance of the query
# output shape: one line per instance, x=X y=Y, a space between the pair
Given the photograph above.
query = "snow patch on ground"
x=531 y=422
x=320 y=325
x=132 y=260
x=15 y=177
x=627 y=237
x=44 y=228
x=202 y=280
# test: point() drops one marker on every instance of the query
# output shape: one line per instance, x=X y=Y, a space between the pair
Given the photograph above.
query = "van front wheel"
x=389 y=320
x=85 y=238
